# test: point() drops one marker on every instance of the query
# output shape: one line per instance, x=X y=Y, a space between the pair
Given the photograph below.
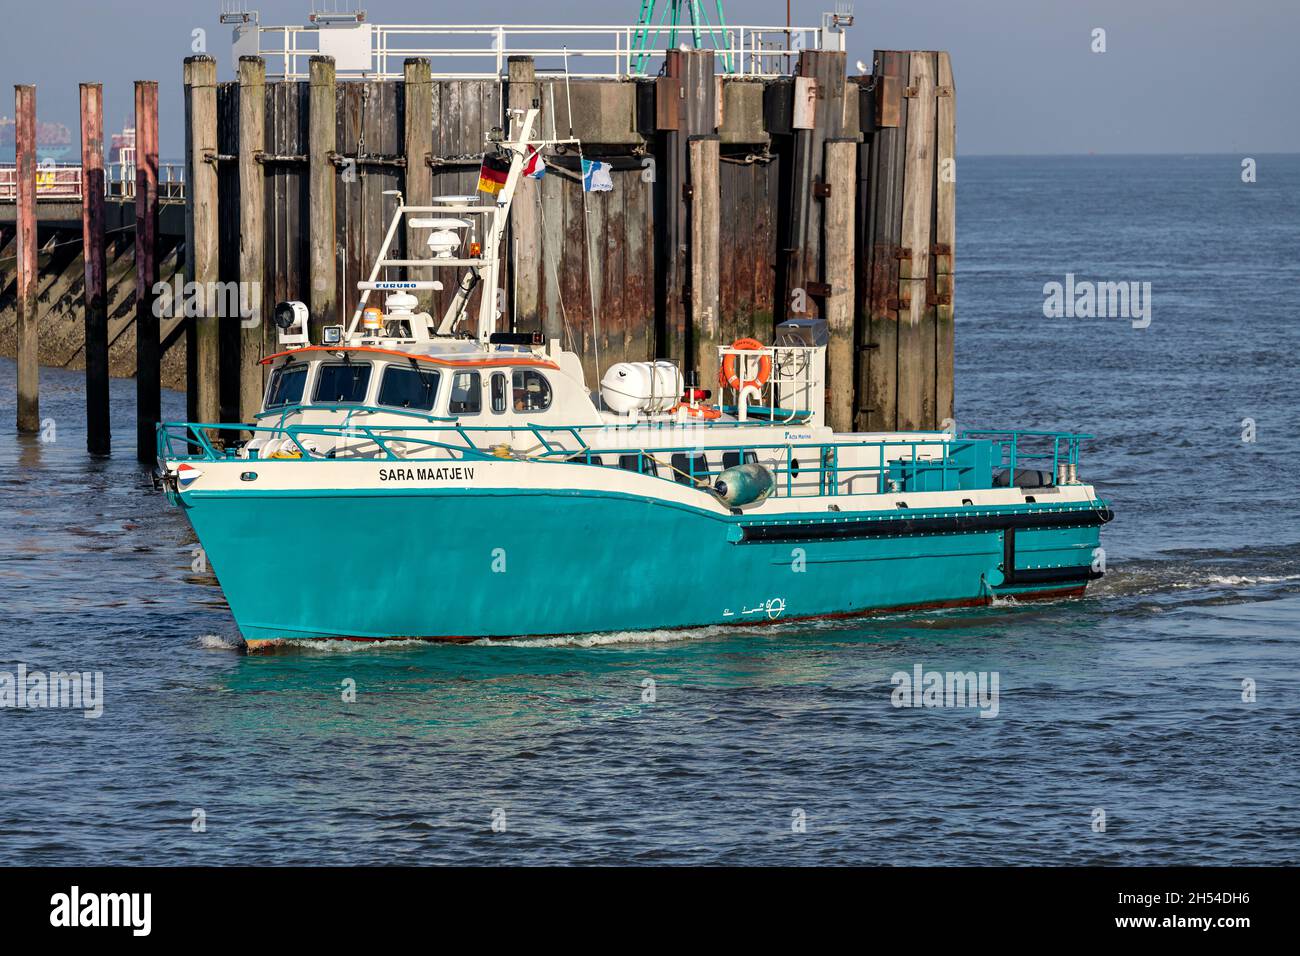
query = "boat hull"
x=466 y=564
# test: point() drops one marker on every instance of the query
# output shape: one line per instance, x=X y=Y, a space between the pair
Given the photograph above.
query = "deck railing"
x=66 y=182
x=890 y=466
x=53 y=181
x=1018 y=449
x=482 y=51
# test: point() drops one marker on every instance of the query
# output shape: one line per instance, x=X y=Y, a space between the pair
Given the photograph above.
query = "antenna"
x=325 y=12
x=840 y=20
x=237 y=12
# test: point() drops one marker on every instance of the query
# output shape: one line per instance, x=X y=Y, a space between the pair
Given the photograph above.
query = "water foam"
x=1246 y=580
x=218 y=642
x=328 y=645
x=663 y=636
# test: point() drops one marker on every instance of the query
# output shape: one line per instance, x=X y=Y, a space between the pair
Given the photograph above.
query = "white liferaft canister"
x=641 y=386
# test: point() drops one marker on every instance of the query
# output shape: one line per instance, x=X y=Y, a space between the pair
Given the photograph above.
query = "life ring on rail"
x=727 y=374
x=707 y=412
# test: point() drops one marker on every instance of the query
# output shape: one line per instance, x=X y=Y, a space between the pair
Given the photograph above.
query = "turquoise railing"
x=800 y=467
x=1064 y=447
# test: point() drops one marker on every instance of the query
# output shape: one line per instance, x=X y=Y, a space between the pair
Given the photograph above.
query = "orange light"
x=475 y=250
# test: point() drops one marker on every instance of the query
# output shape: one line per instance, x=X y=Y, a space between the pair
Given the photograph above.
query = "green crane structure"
x=674 y=17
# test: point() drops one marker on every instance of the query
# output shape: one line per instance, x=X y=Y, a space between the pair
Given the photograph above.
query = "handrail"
x=66 y=181
x=801 y=419
x=1009 y=441
x=743 y=49
x=822 y=470
x=283 y=410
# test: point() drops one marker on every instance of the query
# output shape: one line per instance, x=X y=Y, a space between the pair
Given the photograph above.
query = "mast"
x=485 y=266
x=492 y=242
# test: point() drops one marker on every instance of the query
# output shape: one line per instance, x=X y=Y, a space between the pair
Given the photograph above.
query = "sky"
x=1177 y=76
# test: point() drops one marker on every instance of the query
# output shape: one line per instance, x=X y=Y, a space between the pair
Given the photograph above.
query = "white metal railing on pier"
x=53 y=181
x=119 y=182
x=375 y=51
x=65 y=181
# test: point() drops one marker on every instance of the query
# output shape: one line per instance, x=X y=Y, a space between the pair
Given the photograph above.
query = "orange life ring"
x=706 y=412
x=727 y=374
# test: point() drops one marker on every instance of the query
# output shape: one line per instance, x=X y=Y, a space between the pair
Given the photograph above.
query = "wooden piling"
x=945 y=236
x=685 y=106
x=670 y=321
x=877 y=392
x=201 y=228
x=555 y=320
x=148 y=368
x=525 y=227
x=94 y=300
x=915 y=321
x=703 y=277
x=254 y=335
x=819 y=113
x=840 y=166
x=748 y=252
x=29 y=407
x=417 y=144
x=288 y=208
x=905 y=312
x=321 y=144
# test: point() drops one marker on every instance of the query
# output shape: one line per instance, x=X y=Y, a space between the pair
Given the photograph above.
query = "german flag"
x=493 y=173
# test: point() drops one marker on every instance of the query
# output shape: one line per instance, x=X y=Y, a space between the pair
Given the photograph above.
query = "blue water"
x=1128 y=701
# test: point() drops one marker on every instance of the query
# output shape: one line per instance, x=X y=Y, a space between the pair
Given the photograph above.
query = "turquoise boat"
x=447 y=486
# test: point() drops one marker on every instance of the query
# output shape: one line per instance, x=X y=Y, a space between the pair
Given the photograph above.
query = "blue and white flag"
x=596 y=176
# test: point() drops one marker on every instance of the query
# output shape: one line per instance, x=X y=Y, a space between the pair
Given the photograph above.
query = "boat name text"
x=448 y=473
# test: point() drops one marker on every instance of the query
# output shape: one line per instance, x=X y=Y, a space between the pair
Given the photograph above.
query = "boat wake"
x=1242 y=580
x=1245 y=574
x=662 y=636
x=218 y=642
x=325 y=645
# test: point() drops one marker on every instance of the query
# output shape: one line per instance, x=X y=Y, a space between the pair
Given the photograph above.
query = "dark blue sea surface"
x=1129 y=701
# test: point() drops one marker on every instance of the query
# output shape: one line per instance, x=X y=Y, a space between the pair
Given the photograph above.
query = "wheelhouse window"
x=466 y=394
x=286 y=386
x=344 y=384
x=404 y=387
x=500 y=392
x=532 y=391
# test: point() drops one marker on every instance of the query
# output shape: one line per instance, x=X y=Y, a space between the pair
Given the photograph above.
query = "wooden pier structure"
x=737 y=202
